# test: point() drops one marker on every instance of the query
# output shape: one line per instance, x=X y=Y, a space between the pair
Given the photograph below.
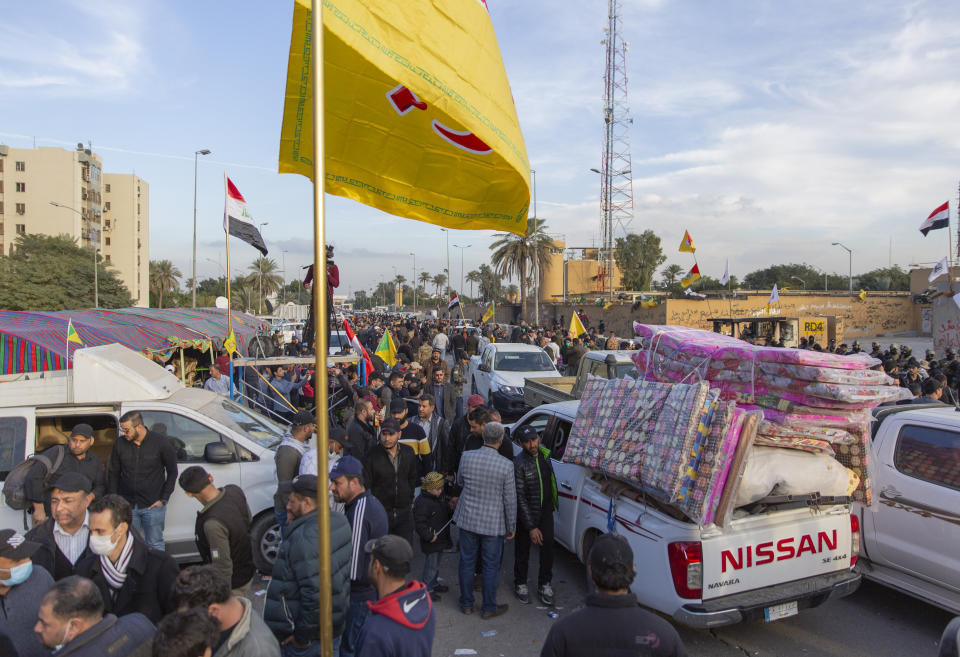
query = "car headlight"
x=512 y=390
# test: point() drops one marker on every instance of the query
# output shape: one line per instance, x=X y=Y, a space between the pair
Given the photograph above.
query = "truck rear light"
x=854 y=539
x=686 y=566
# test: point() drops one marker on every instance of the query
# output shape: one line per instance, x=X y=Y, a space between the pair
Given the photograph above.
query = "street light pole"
x=203 y=151
x=802 y=282
x=96 y=251
x=447 y=231
x=462 y=248
x=850 y=256
x=414 y=280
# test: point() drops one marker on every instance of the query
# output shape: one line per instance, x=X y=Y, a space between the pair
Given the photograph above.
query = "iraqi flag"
x=939 y=218
x=352 y=337
x=237 y=220
x=454 y=302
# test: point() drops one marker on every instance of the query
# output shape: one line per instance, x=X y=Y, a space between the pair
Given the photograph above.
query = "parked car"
x=911 y=532
x=601 y=363
x=235 y=444
x=498 y=373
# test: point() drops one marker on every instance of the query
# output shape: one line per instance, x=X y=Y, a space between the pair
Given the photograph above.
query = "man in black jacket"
x=71 y=621
x=143 y=470
x=361 y=432
x=222 y=530
x=77 y=458
x=131 y=576
x=612 y=623
x=392 y=472
x=63 y=536
x=536 y=500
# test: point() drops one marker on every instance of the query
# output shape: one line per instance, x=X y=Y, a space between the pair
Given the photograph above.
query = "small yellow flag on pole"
x=686 y=246
x=72 y=335
x=489 y=312
x=230 y=343
x=576 y=326
x=418 y=114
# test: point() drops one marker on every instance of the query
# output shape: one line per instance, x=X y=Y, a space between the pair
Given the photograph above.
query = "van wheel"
x=265 y=536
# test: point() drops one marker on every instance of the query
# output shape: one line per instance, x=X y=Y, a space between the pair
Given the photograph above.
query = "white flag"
x=726 y=274
x=956 y=299
x=938 y=271
x=774 y=295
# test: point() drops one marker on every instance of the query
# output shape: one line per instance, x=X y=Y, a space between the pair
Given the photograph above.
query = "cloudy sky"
x=768 y=129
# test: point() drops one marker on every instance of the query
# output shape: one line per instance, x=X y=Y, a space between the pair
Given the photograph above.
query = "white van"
x=235 y=444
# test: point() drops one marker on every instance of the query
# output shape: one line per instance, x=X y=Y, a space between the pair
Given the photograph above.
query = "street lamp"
x=202 y=151
x=802 y=282
x=462 y=249
x=96 y=251
x=414 y=280
x=283 y=290
x=850 y=256
x=260 y=269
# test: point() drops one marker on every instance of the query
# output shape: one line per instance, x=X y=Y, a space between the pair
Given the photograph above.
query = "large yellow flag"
x=576 y=326
x=686 y=246
x=489 y=313
x=419 y=117
x=387 y=350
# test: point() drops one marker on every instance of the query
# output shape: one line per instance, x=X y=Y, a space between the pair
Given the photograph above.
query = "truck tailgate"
x=767 y=550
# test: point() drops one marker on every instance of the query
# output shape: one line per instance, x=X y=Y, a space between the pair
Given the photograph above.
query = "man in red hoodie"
x=401 y=622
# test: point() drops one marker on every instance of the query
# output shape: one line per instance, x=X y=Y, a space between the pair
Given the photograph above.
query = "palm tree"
x=670 y=274
x=268 y=280
x=243 y=293
x=400 y=279
x=473 y=277
x=164 y=277
x=424 y=279
x=439 y=281
x=515 y=255
x=511 y=292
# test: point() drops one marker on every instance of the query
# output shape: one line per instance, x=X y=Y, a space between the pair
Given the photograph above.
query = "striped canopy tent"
x=37 y=341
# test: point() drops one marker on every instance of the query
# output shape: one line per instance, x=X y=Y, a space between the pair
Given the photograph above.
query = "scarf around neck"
x=116 y=574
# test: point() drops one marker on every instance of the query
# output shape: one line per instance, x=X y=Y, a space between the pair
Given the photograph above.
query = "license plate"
x=777 y=612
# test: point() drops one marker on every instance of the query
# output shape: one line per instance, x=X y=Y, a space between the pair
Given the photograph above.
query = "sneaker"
x=546 y=594
x=441 y=588
x=522 y=593
x=435 y=596
x=499 y=611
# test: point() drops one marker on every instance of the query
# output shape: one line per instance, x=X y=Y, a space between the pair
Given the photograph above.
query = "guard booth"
x=786 y=330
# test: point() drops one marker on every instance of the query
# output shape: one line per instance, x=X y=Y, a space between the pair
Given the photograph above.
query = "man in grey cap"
x=22 y=587
x=77 y=458
x=287 y=458
x=63 y=536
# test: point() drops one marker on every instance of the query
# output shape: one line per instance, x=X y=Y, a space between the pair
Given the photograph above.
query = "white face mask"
x=63 y=641
x=103 y=545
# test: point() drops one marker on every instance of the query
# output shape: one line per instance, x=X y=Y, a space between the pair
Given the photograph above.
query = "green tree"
x=439 y=281
x=164 y=279
x=266 y=277
x=472 y=277
x=638 y=257
x=783 y=276
x=670 y=276
x=491 y=284
x=515 y=255
x=424 y=278
x=361 y=301
x=883 y=279
x=45 y=272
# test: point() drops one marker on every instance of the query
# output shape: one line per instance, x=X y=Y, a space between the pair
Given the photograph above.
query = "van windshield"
x=244 y=421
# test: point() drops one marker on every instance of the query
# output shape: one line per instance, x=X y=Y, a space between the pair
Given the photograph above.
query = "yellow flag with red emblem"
x=419 y=119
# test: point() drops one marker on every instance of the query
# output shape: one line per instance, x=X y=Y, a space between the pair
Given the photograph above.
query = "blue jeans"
x=356 y=615
x=431 y=569
x=488 y=550
x=149 y=522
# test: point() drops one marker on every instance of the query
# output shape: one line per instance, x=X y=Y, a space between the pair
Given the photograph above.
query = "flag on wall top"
x=412 y=126
x=726 y=274
x=939 y=270
x=939 y=218
x=237 y=221
x=774 y=295
x=692 y=276
x=686 y=246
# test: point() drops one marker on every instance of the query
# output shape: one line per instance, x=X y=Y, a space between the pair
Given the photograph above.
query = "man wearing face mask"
x=22 y=587
x=222 y=530
x=72 y=624
x=131 y=576
x=63 y=537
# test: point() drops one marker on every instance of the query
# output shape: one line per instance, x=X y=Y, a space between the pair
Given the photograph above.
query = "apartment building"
x=56 y=191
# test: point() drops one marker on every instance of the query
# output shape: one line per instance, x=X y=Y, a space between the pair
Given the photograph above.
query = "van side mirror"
x=218 y=453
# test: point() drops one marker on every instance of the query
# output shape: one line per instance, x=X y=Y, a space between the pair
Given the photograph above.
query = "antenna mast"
x=616 y=178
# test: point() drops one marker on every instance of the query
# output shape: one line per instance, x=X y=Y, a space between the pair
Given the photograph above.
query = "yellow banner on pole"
x=418 y=115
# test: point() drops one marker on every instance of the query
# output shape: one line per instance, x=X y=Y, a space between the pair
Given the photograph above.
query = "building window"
x=21 y=166
x=106 y=206
x=1 y=183
x=106 y=188
x=138 y=226
x=21 y=187
x=1 y=229
x=1 y=245
x=1 y=207
x=21 y=229
x=106 y=242
x=21 y=208
x=107 y=257
x=106 y=224
x=138 y=208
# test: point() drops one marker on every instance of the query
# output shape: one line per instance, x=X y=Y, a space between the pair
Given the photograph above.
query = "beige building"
x=107 y=211
x=572 y=276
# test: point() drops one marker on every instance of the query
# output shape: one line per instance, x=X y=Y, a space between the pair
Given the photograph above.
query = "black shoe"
x=435 y=597
x=441 y=588
x=501 y=610
x=466 y=611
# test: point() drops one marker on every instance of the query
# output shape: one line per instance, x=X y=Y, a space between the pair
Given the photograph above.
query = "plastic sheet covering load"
x=813 y=402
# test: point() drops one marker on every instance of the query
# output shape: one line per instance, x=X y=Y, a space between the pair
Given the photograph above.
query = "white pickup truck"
x=765 y=566
x=235 y=445
x=911 y=535
x=499 y=371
